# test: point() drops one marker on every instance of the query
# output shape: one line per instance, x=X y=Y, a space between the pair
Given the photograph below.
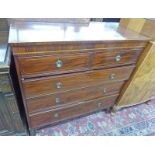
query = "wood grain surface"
x=47 y=117
x=141 y=86
x=73 y=96
x=95 y=60
x=48 y=85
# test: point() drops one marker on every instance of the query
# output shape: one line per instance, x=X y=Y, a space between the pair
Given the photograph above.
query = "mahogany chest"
x=66 y=71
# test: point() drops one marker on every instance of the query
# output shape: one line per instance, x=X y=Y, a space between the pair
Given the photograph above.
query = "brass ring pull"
x=104 y=90
x=56 y=115
x=112 y=76
x=118 y=58
x=57 y=100
x=58 y=85
x=59 y=63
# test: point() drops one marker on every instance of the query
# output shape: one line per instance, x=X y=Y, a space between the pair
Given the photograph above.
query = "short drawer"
x=109 y=58
x=52 y=64
x=54 y=84
x=48 y=117
x=72 y=97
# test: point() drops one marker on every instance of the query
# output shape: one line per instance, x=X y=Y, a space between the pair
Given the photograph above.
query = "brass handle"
x=56 y=115
x=58 y=85
x=104 y=90
x=112 y=76
x=57 y=100
x=118 y=58
x=59 y=63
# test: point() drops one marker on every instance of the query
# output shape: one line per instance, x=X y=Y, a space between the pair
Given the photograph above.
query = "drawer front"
x=52 y=64
x=44 y=86
x=72 y=97
x=45 y=118
x=111 y=58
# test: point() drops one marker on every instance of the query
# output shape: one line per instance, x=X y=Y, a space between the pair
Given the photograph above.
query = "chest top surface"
x=36 y=32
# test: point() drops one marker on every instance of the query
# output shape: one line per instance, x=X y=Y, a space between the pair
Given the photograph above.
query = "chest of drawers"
x=66 y=71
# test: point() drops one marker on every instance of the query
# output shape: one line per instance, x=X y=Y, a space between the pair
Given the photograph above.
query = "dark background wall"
x=105 y=19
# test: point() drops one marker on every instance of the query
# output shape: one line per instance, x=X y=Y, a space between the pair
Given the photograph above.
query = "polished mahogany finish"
x=68 y=70
x=110 y=58
x=76 y=61
x=52 y=64
x=73 y=96
x=53 y=84
x=46 y=117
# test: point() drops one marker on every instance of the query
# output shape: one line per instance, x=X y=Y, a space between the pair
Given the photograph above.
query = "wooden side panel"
x=142 y=84
x=134 y=24
x=142 y=26
x=149 y=29
x=124 y=22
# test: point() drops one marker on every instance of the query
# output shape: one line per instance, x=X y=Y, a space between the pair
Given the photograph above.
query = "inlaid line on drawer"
x=115 y=58
x=38 y=66
x=53 y=84
x=47 y=117
x=73 y=96
x=52 y=64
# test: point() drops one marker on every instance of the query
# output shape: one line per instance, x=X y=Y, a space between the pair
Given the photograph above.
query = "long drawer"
x=72 y=97
x=53 y=84
x=32 y=66
x=47 y=117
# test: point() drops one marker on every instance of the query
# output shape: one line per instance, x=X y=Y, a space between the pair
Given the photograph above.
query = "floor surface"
x=134 y=121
